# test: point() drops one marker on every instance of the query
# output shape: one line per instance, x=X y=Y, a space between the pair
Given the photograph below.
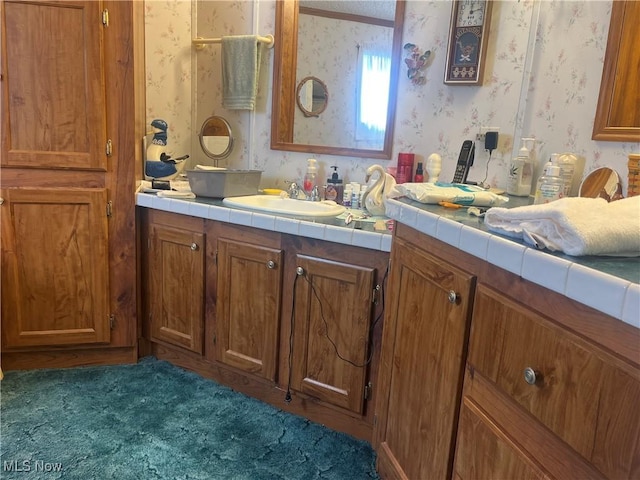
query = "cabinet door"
x=55 y=267
x=484 y=452
x=54 y=85
x=332 y=319
x=176 y=264
x=423 y=353
x=248 y=306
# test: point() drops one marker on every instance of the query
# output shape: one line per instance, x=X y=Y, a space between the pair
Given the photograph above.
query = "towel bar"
x=199 y=42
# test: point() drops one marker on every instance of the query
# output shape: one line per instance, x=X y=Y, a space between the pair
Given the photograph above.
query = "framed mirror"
x=617 y=115
x=347 y=44
x=312 y=96
x=216 y=138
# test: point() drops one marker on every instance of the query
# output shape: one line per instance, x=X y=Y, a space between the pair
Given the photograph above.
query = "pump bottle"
x=309 y=181
x=335 y=188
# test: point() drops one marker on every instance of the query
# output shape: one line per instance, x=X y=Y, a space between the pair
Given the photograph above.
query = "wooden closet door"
x=53 y=85
x=55 y=275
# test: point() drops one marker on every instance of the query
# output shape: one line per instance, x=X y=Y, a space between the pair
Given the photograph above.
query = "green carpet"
x=154 y=420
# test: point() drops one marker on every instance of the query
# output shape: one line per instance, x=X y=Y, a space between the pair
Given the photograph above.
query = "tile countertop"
x=608 y=284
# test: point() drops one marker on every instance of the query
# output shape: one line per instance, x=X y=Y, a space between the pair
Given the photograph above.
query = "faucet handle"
x=294 y=189
x=315 y=194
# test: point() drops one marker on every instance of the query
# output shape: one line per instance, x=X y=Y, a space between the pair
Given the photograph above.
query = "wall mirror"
x=617 y=114
x=346 y=44
x=216 y=138
x=312 y=96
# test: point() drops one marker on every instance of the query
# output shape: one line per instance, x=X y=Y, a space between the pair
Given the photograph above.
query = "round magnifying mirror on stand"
x=312 y=96
x=602 y=183
x=216 y=138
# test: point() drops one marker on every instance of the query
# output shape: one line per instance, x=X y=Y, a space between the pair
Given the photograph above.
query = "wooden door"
x=248 y=306
x=176 y=287
x=54 y=85
x=55 y=277
x=423 y=354
x=332 y=319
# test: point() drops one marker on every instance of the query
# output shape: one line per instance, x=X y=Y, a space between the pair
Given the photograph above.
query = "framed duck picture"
x=468 y=38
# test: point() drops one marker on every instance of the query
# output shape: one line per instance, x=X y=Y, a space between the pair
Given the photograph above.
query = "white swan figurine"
x=375 y=197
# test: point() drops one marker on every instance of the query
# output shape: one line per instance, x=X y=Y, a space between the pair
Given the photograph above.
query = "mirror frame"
x=621 y=57
x=201 y=135
x=284 y=86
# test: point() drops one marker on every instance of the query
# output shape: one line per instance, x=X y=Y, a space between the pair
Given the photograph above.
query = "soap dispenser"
x=335 y=188
x=309 y=181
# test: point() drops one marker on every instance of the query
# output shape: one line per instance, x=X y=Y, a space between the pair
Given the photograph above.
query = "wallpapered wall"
x=555 y=104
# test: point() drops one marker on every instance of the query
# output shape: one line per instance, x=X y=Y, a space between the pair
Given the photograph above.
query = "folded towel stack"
x=240 y=71
x=575 y=226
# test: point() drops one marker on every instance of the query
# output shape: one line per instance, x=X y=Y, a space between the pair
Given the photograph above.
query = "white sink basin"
x=285 y=206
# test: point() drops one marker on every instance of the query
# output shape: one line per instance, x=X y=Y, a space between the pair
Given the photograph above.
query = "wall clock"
x=468 y=35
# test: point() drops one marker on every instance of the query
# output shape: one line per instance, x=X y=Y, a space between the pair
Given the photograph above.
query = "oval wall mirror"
x=216 y=138
x=601 y=183
x=312 y=96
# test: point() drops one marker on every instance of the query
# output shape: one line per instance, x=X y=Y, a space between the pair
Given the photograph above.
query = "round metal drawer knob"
x=194 y=246
x=530 y=376
x=271 y=264
x=453 y=296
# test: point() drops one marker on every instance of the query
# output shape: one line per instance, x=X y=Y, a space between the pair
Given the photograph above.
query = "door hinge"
x=368 y=391
x=109 y=209
x=112 y=321
x=376 y=294
x=105 y=17
x=109 y=148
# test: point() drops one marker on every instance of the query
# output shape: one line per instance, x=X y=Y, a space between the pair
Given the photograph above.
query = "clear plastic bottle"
x=310 y=177
x=551 y=186
x=520 y=173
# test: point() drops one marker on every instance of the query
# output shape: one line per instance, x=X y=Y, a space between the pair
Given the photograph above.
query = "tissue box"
x=224 y=183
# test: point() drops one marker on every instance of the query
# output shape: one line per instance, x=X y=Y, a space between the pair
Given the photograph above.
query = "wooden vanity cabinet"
x=333 y=298
x=247 y=297
x=422 y=365
x=175 y=262
x=578 y=400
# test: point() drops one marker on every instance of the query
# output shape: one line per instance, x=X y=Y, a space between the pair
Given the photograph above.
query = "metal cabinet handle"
x=453 y=296
x=531 y=376
x=194 y=246
x=271 y=264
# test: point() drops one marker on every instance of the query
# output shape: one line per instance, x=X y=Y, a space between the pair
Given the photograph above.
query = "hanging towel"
x=240 y=71
x=575 y=226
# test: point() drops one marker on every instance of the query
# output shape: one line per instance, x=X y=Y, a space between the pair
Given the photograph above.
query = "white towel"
x=575 y=226
x=240 y=71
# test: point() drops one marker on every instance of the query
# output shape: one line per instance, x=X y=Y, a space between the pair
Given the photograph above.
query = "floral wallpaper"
x=542 y=79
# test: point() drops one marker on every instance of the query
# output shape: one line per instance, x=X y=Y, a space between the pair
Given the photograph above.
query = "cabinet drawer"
x=583 y=394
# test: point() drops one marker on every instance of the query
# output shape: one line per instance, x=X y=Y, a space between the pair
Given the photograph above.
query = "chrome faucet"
x=315 y=194
x=294 y=190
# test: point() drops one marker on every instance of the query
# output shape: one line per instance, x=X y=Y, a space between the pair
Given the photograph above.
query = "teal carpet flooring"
x=154 y=420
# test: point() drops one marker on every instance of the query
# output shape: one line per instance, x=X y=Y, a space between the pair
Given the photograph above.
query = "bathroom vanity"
x=486 y=365
x=266 y=312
